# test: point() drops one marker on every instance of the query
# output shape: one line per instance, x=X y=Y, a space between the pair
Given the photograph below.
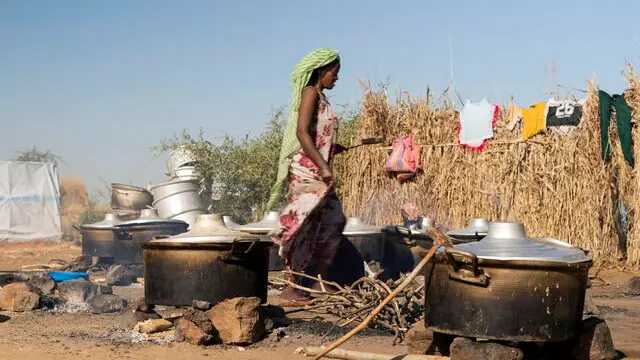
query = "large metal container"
x=184 y=173
x=269 y=222
x=230 y=222
x=178 y=158
x=366 y=238
x=98 y=238
x=476 y=231
x=130 y=234
x=538 y=286
x=130 y=197
x=178 y=200
x=209 y=262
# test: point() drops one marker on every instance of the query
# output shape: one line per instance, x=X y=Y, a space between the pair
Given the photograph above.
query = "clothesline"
x=502 y=142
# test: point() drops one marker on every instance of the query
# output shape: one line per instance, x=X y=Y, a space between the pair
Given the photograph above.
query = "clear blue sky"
x=100 y=82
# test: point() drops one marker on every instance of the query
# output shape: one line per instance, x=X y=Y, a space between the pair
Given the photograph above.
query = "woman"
x=311 y=225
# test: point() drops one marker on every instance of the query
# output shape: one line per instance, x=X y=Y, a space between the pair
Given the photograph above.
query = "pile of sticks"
x=353 y=303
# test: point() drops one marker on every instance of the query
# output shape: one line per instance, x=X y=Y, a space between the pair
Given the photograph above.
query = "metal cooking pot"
x=507 y=287
x=130 y=197
x=269 y=222
x=178 y=199
x=179 y=157
x=229 y=222
x=366 y=238
x=184 y=173
x=209 y=262
x=476 y=230
x=98 y=238
x=130 y=234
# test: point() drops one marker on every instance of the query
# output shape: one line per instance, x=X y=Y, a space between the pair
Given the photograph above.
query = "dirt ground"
x=43 y=334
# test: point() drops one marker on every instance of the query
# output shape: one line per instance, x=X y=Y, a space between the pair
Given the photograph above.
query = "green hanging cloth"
x=623 y=124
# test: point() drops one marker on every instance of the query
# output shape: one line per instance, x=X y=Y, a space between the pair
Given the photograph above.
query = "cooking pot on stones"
x=130 y=197
x=474 y=232
x=507 y=287
x=269 y=222
x=366 y=238
x=98 y=238
x=229 y=222
x=209 y=262
x=130 y=234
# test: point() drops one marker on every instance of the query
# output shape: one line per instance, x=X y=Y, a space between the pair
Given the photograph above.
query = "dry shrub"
x=558 y=186
x=632 y=180
x=75 y=202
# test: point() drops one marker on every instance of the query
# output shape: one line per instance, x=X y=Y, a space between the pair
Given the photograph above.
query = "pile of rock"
x=238 y=321
x=20 y=292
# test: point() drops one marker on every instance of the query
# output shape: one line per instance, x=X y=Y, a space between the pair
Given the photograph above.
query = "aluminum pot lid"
x=478 y=226
x=150 y=216
x=110 y=220
x=508 y=241
x=230 y=222
x=208 y=228
x=355 y=226
x=270 y=221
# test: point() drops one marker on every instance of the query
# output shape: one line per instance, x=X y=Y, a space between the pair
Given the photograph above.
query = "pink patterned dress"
x=312 y=223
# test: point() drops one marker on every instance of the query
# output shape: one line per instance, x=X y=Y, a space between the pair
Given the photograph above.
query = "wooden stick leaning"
x=439 y=239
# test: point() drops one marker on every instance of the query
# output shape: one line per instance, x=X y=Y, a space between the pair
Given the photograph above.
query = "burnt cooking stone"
x=19 y=297
x=466 y=349
x=77 y=290
x=633 y=286
x=201 y=319
x=593 y=341
x=8 y=278
x=191 y=333
x=201 y=305
x=107 y=303
x=43 y=282
x=120 y=275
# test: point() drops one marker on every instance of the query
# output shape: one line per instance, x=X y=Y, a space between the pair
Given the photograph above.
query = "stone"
x=238 y=320
x=9 y=278
x=418 y=339
x=153 y=326
x=633 y=286
x=593 y=341
x=201 y=319
x=137 y=311
x=170 y=313
x=466 y=349
x=191 y=333
x=105 y=289
x=107 y=303
x=77 y=291
x=42 y=282
x=19 y=297
x=121 y=275
x=272 y=311
x=201 y=305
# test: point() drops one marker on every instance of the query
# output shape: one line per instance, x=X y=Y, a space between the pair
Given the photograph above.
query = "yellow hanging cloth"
x=533 y=120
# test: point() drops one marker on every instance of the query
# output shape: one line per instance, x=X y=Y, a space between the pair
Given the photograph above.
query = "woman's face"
x=329 y=78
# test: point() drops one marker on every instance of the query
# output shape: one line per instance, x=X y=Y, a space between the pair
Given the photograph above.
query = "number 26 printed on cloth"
x=564 y=110
x=564 y=113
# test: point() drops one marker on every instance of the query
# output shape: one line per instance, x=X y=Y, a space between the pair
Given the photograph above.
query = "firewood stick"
x=357 y=355
x=381 y=306
x=439 y=239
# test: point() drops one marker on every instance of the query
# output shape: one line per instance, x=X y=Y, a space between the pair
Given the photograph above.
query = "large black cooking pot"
x=507 y=287
x=476 y=231
x=98 y=238
x=129 y=235
x=209 y=263
x=366 y=238
x=269 y=222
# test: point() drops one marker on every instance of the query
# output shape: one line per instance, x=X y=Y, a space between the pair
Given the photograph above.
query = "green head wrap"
x=290 y=144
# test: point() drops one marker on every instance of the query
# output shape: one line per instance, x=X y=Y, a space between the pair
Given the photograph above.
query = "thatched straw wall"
x=558 y=186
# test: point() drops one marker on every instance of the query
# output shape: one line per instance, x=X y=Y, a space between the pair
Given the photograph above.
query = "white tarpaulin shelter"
x=29 y=201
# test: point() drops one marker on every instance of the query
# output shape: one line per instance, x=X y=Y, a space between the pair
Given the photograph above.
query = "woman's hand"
x=326 y=174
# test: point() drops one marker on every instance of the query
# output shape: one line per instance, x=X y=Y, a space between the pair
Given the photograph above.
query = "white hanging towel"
x=476 y=124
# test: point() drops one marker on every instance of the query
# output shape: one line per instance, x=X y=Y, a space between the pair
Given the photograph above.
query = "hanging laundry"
x=623 y=124
x=476 y=124
x=514 y=115
x=563 y=116
x=533 y=120
x=404 y=160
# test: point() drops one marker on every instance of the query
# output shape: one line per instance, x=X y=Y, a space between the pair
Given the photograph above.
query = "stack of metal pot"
x=539 y=286
x=269 y=222
x=127 y=200
x=210 y=262
x=180 y=197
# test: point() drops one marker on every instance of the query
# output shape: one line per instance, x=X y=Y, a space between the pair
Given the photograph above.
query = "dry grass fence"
x=557 y=185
